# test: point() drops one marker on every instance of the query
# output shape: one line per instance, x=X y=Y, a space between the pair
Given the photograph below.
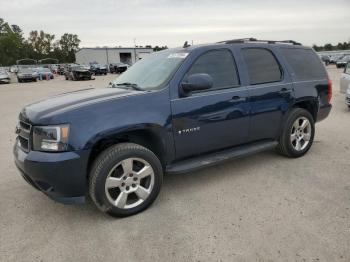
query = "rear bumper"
x=323 y=112
x=61 y=176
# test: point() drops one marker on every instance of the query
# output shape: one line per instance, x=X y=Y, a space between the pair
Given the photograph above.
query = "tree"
x=159 y=48
x=10 y=43
x=41 y=42
x=328 y=47
x=69 y=44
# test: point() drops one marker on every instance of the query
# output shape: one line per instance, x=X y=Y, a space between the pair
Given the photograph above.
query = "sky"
x=165 y=22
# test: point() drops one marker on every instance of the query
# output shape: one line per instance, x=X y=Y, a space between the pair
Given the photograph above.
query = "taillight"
x=329 y=90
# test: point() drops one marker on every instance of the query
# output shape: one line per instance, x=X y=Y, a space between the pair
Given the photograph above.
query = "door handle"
x=284 y=91
x=237 y=99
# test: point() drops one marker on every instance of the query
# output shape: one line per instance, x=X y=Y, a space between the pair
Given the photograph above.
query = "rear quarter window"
x=306 y=65
x=262 y=66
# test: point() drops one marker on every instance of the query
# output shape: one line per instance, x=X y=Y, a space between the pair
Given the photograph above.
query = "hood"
x=83 y=70
x=36 y=113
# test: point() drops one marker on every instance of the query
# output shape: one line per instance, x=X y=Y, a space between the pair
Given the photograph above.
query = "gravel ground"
x=261 y=208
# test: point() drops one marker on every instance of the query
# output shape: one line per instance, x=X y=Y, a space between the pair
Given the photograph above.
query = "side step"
x=218 y=157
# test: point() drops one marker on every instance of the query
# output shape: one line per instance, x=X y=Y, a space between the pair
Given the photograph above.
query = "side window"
x=219 y=64
x=262 y=66
x=305 y=64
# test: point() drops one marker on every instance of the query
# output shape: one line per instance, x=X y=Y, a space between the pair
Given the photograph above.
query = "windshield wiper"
x=132 y=85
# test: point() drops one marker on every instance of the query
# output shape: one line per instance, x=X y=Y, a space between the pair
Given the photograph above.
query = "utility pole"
x=134 y=50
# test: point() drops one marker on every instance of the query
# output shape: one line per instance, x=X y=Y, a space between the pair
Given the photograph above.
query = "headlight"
x=50 y=138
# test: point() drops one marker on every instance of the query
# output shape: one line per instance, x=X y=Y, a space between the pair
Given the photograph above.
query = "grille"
x=24 y=135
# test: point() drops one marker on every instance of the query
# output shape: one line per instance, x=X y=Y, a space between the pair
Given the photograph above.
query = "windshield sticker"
x=178 y=55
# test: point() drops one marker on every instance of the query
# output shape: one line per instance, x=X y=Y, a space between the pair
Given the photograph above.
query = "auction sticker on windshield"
x=178 y=55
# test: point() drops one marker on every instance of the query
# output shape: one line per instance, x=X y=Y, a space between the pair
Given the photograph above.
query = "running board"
x=199 y=162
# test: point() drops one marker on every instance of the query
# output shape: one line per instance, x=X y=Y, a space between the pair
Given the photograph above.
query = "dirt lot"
x=261 y=208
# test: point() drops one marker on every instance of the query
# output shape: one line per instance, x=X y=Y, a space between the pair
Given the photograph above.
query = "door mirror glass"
x=197 y=82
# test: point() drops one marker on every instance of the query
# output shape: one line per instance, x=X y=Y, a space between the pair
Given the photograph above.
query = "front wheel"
x=297 y=133
x=125 y=179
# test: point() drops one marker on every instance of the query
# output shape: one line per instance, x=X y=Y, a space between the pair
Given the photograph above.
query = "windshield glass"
x=78 y=68
x=153 y=71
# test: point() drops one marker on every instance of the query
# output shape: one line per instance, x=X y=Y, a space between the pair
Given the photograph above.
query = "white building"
x=107 y=55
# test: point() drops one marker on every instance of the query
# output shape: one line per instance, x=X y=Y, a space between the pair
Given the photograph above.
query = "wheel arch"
x=310 y=105
x=153 y=137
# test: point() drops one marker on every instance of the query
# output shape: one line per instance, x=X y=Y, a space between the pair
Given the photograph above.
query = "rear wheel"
x=125 y=179
x=297 y=134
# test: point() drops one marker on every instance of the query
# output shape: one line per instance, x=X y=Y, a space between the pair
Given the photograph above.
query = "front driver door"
x=213 y=119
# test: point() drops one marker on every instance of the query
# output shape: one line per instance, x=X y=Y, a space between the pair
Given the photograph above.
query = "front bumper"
x=61 y=176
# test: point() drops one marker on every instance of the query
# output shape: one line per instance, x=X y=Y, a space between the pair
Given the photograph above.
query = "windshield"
x=78 y=68
x=153 y=71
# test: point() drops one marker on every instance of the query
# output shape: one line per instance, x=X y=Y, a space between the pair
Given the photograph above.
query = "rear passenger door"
x=270 y=92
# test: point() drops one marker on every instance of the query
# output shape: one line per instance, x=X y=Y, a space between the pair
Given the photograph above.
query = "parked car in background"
x=98 y=69
x=343 y=61
x=345 y=79
x=4 y=77
x=334 y=58
x=77 y=72
x=326 y=59
x=117 y=68
x=54 y=69
x=43 y=73
x=174 y=111
x=347 y=97
x=61 y=69
x=26 y=75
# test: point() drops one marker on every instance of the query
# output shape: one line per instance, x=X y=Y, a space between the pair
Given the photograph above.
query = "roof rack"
x=251 y=39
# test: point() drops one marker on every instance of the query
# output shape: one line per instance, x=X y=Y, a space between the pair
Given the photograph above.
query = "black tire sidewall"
x=110 y=158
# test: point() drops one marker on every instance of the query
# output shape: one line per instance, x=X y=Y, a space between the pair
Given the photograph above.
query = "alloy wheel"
x=129 y=183
x=300 y=133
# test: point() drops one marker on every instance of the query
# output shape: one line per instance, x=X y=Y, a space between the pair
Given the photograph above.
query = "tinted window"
x=219 y=64
x=262 y=66
x=305 y=64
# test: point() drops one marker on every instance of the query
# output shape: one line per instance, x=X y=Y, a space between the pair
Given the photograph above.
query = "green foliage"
x=159 y=48
x=39 y=45
x=330 y=47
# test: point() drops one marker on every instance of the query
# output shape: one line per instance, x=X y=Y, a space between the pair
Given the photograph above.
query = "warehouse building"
x=107 y=55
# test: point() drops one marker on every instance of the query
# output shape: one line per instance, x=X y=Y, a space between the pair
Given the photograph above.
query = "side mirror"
x=197 y=82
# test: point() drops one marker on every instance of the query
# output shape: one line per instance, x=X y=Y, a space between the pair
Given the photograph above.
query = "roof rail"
x=251 y=39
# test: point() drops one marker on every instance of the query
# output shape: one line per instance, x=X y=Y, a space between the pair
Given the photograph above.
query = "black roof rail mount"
x=251 y=39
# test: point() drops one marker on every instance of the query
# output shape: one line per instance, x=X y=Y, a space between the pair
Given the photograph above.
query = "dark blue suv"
x=175 y=111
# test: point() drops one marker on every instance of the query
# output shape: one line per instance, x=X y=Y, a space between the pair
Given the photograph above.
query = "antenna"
x=186 y=45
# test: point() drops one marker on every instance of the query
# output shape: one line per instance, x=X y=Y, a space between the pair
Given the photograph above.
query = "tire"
x=296 y=140
x=113 y=165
